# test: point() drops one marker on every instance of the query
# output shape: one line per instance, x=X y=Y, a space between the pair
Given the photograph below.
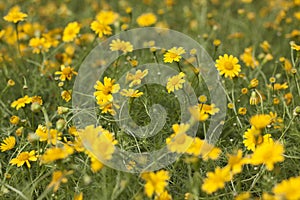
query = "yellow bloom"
x=58 y=177
x=39 y=45
x=288 y=189
x=249 y=59
x=260 y=121
x=228 y=66
x=179 y=141
x=8 y=143
x=265 y=46
x=146 y=19
x=20 y=103
x=136 y=78
x=216 y=180
x=243 y=196
x=14 y=120
x=101 y=28
x=131 y=93
x=96 y=165
x=120 y=45
x=268 y=154
x=107 y=17
x=163 y=196
x=242 y=111
x=254 y=83
x=106 y=88
x=78 y=196
x=66 y=95
x=235 y=162
x=56 y=153
x=66 y=73
x=295 y=46
x=175 y=82
x=71 y=31
x=155 y=182
x=278 y=86
x=51 y=136
x=15 y=15
x=173 y=54
x=24 y=157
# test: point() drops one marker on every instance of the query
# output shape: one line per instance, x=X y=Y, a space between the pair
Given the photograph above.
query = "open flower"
x=228 y=66
x=66 y=73
x=71 y=31
x=175 y=82
x=21 y=102
x=120 y=45
x=24 y=157
x=173 y=54
x=155 y=182
x=15 y=15
x=8 y=143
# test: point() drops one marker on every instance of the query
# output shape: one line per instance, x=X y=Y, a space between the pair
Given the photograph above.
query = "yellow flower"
x=107 y=17
x=295 y=46
x=56 y=153
x=254 y=83
x=146 y=19
x=163 y=196
x=78 y=196
x=96 y=165
x=131 y=93
x=24 y=157
x=179 y=141
x=120 y=45
x=265 y=46
x=136 y=78
x=71 y=31
x=66 y=73
x=15 y=15
x=66 y=95
x=248 y=58
x=155 y=182
x=51 y=136
x=58 y=177
x=20 y=103
x=235 y=162
x=39 y=45
x=106 y=88
x=243 y=196
x=101 y=28
x=260 y=121
x=228 y=66
x=268 y=153
x=8 y=143
x=175 y=82
x=216 y=180
x=14 y=120
x=242 y=111
x=173 y=54
x=288 y=189
x=278 y=86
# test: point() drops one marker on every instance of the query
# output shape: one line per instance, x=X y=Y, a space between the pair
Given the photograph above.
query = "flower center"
x=228 y=65
x=66 y=71
x=23 y=156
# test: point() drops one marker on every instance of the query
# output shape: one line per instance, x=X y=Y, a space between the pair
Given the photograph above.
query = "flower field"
x=149 y=99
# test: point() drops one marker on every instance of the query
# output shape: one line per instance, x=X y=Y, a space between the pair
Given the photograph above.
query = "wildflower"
x=217 y=42
x=248 y=58
x=51 y=136
x=243 y=196
x=260 y=121
x=71 y=31
x=265 y=46
x=24 y=157
x=106 y=89
x=253 y=98
x=146 y=19
x=295 y=46
x=15 y=15
x=11 y=83
x=62 y=110
x=253 y=138
x=278 y=86
x=173 y=54
x=253 y=83
x=235 y=162
x=66 y=95
x=58 y=177
x=155 y=182
x=268 y=154
x=242 y=111
x=201 y=148
x=14 y=120
x=39 y=45
x=101 y=141
x=175 y=82
x=120 y=45
x=96 y=165
x=244 y=90
x=20 y=131
x=202 y=99
x=101 y=28
x=163 y=196
x=216 y=180
x=66 y=73
x=136 y=78
x=131 y=93
x=21 y=102
x=56 y=153
x=78 y=196
x=288 y=189
x=230 y=105
x=228 y=65
x=107 y=17
x=8 y=143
